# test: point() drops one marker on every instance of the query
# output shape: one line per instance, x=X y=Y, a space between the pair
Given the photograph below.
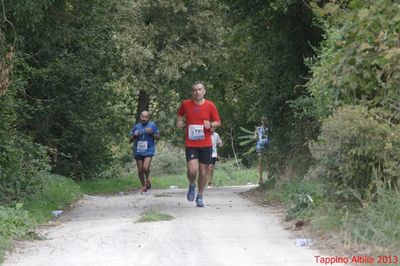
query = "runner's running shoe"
x=199 y=201
x=190 y=193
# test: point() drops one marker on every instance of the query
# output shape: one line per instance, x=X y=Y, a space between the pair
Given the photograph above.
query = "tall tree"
x=162 y=41
x=67 y=59
x=268 y=44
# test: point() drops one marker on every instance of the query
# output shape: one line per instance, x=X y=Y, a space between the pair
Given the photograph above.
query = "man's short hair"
x=199 y=82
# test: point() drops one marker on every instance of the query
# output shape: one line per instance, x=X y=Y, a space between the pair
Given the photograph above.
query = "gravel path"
x=102 y=230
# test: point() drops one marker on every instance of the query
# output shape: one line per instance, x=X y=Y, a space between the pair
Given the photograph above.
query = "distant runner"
x=261 y=134
x=144 y=135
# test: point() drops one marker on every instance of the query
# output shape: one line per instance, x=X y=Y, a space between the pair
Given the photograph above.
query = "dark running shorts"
x=213 y=160
x=203 y=154
x=141 y=157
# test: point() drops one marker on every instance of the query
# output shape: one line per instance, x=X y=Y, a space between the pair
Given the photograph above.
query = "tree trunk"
x=6 y=64
x=143 y=103
x=233 y=148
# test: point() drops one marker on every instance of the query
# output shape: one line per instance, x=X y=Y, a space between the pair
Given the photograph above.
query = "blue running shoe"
x=199 y=201
x=190 y=193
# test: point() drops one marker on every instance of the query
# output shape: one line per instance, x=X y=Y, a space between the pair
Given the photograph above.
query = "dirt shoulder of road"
x=328 y=242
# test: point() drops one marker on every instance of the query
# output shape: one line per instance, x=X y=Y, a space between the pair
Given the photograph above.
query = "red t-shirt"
x=196 y=134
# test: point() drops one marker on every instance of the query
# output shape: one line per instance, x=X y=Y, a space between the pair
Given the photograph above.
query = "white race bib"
x=141 y=146
x=196 y=132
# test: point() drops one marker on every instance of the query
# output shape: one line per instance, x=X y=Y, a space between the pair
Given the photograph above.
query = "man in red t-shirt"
x=201 y=115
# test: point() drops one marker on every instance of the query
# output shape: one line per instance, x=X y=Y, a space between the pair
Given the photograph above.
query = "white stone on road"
x=102 y=230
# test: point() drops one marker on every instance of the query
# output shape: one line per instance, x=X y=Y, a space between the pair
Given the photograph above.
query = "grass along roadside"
x=342 y=228
x=57 y=193
x=124 y=183
x=18 y=222
x=223 y=176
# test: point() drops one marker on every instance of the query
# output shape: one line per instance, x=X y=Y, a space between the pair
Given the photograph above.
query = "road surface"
x=102 y=230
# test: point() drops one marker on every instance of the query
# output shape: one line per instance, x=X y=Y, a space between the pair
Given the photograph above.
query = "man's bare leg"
x=146 y=171
x=260 y=168
x=139 y=164
x=210 y=174
x=203 y=173
x=192 y=169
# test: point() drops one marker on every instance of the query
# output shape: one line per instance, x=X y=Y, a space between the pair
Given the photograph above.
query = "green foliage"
x=358 y=60
x=357 y=64
x=165 y=46
x=166 y=181
x=247 y=139
x=301 y=196
x=80 y=65
x=329 y=216
x=65 y=60
x=299 y=202
x=169 y=160
x=226 y=173
x=109 y=186
x=56 y=193
x=6 y=62
x=263 y=70
x=355 y=150
x=376 y=224
x=21 y=177
x=15 y=221
x=373 y=224
x=21 y=160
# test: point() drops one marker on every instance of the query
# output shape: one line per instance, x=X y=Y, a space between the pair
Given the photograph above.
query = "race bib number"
x=196 y=132
x=141 y=146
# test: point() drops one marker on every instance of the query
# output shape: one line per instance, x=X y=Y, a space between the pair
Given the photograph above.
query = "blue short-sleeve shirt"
x=145 y=144
x=262 y=138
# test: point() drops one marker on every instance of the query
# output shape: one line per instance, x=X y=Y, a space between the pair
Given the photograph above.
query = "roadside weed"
x=153 y=216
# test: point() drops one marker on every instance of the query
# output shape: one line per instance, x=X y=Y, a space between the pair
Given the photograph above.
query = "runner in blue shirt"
x=261 y=135
x=143 y=135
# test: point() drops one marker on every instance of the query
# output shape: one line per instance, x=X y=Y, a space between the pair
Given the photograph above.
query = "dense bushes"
x=21 y=177
x=63 y=97
x=265 y=68
x=21 y=160
x=354 y=99
x=355 y=96
x=15 y=222
x=358 y=61
x=356 y=150
x=169 y=160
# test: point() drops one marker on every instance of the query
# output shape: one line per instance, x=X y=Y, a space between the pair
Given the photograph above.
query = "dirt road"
x=229 y=230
